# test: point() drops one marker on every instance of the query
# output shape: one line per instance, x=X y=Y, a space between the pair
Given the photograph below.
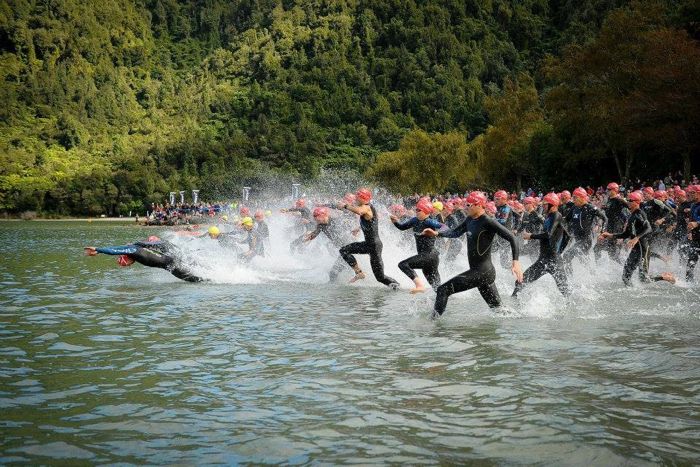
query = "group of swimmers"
x=553 y=230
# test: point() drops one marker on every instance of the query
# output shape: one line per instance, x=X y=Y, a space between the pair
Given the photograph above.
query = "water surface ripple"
x=103 y=365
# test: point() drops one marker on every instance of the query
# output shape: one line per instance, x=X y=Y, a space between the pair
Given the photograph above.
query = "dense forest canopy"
x=108 y=106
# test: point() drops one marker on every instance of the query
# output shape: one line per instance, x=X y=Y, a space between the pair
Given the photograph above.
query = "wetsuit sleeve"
x=407 y=224
x=646 y=230
x=316 y=231
x=118 y=250
x=456 y=232
x=505 y=234
x=602 y=216
x=695 y=213
x=434 y=224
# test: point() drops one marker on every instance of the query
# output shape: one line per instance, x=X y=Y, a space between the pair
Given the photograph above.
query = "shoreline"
x=129 y=220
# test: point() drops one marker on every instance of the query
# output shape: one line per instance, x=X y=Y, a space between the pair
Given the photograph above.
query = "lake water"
x=268 y=364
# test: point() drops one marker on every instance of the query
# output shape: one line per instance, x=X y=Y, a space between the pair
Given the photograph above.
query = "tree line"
x=108 y=106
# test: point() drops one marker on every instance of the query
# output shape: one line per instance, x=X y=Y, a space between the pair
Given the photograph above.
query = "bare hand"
x=692 y=225
x=659 y=222
x=517 y=271
x=355 y=232
x=393 y=218
x=429 y=233
x=527 y=235
x=632 y=243
x=90 y=251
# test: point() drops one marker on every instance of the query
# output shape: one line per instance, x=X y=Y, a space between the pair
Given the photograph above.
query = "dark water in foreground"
x=107 y=365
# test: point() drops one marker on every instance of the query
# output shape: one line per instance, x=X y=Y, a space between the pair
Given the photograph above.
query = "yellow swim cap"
x=214 y=231
x=268 y=213
x=437 y=205
x=247 y=221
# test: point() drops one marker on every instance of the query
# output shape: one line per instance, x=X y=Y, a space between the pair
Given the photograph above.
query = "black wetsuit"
x=580 y=220
x=693 y=243
x=504 y=216
x=306 y=224
x=531 y=222
x=255 y=245
x=679 y=237
x=655 y=210
x=565 y=208
x=428 y=257
x=617 y=213
x=263 y=230
x=637 y=226
x=372 y=246
x=549 y=260
x=335 y=235
x=160 y=254
x=480 y=234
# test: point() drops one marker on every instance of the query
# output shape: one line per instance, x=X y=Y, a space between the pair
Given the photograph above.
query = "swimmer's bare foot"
x=417 y=290
x=668 y=277
x=358 y=276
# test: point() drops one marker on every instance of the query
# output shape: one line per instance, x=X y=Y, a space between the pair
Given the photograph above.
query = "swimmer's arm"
x=118 y=250
x=406 y=224
x=600 y=214
x=453 y=233
x=507 y=235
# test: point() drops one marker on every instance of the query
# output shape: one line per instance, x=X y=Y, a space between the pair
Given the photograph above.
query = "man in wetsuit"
x=551 y=239
x=428 y=257
x=154 y=253
x=531 y=222
x=333 y=231
x=679 y=234
x=372 y=246
x=657 y=213
x=693 y=232
x=304 y=213
x=617 y=213
x=565 y=203
x=637 y=231
x=480 y=230
x=579 y=221
x=253 y=239
x=261 y=226
x=504 y=216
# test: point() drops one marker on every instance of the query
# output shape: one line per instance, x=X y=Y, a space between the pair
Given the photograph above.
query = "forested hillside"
x=108 y=106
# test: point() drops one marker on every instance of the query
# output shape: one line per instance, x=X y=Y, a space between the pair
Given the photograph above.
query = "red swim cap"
x=124 y=261
x=259 y=214
x=500 y=194
x=659 y=194
x=551 y=198
x=635 y=196
x=364 y=195
x=681 y=193
x=301 y=202
x=245 y=212
x=564 y=195
x=648 y=191
x=320 y=211
x=477 y=199
x=529 y=200
x=613 y=186
x=424 y=206
x=581 y=193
